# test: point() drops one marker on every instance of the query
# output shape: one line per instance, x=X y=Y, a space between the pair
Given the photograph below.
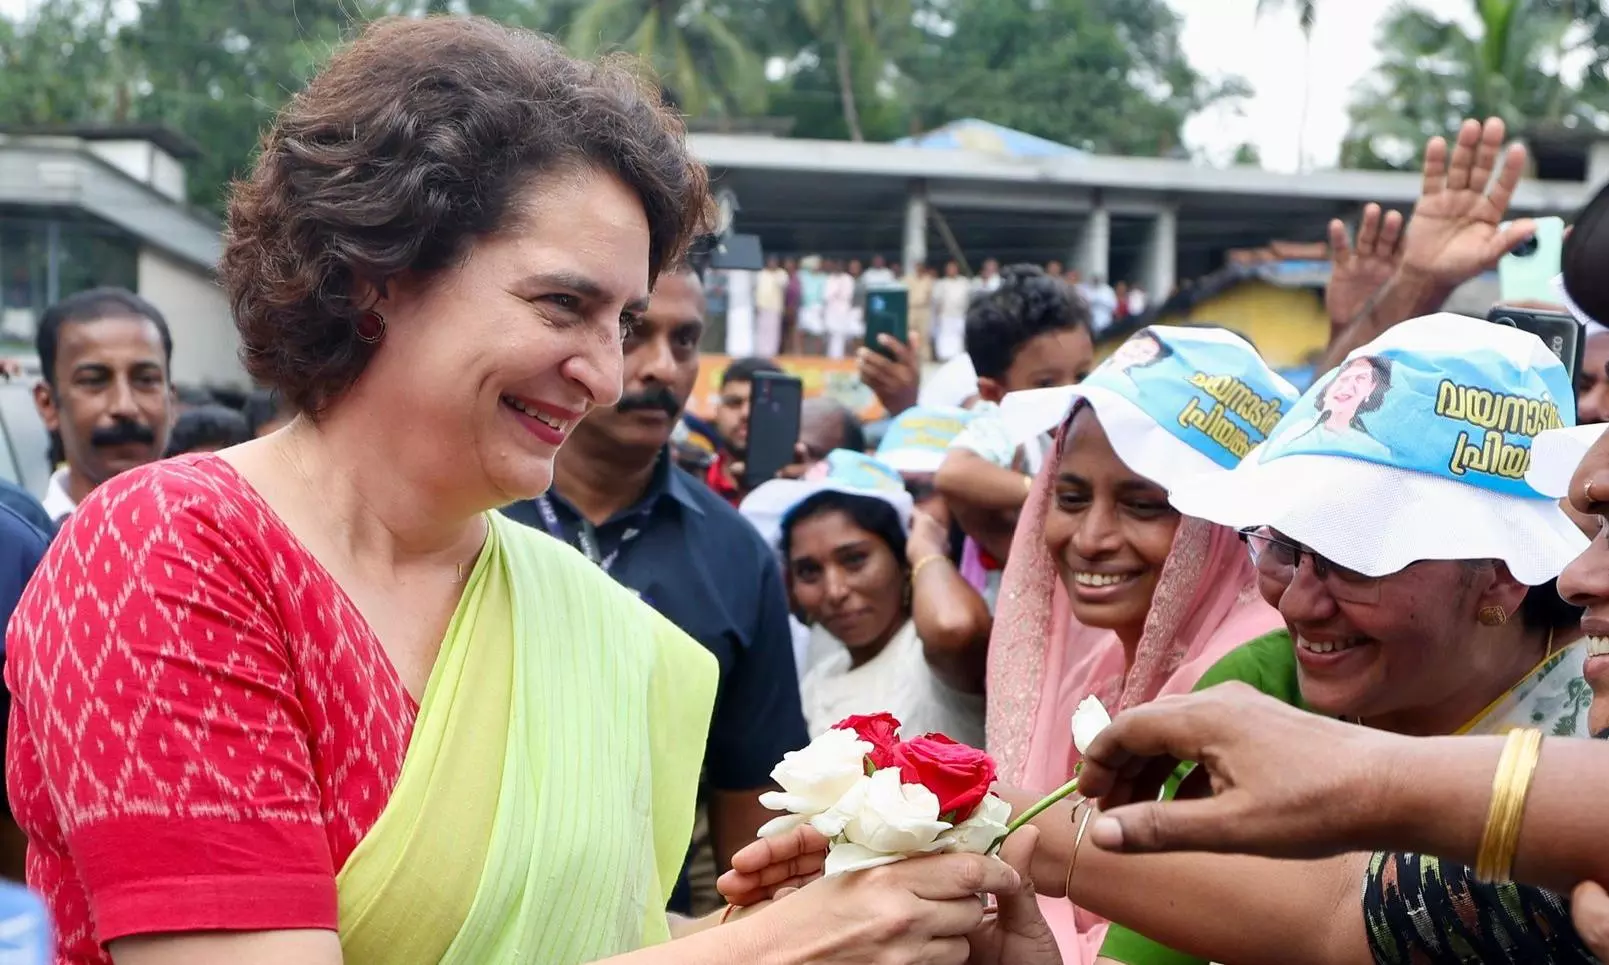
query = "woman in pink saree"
x=1110 y=592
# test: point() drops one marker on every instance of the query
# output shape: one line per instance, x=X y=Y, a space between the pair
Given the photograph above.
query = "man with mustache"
x=107 y=395
x=618 y=498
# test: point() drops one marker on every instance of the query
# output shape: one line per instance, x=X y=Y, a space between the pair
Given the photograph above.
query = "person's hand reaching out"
x=928 y=538
x=1456 y=231
x=1359 y=271
x=1589 y=911
x=1018 y=933
x=894 y=381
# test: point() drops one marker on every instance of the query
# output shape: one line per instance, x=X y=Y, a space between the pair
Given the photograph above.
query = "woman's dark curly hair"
x=413 y=142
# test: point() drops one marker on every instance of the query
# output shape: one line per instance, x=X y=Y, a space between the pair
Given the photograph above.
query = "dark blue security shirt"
x=19 y=500
x=692 y=557
x=21 y=548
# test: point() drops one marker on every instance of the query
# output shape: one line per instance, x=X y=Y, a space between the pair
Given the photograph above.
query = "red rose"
x=879 y=730
x=959 y=775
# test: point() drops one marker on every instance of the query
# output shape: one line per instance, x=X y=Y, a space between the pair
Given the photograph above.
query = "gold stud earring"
x=1492 y=616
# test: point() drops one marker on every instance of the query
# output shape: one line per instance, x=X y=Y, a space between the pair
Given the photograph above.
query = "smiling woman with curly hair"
x=311 y=700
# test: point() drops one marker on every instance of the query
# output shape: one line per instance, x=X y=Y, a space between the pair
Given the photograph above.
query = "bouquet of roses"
x=880 y=799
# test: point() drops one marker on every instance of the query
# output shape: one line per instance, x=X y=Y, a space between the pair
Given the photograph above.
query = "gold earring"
x=1492 y=616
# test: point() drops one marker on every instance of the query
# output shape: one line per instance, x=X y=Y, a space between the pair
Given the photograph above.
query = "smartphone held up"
x=888 y=312
x=775 y=404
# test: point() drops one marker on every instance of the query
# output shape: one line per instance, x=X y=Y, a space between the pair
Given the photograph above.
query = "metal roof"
x=971 y=134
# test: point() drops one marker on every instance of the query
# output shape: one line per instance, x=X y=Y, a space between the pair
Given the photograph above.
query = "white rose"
x=895 y=818
x=815 y=778
x=844 y=857
x=1088 y=721
x=987 y=825
x=832 y=821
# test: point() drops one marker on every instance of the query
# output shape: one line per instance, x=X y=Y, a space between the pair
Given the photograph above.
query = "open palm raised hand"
x=1457 y=230
x=1358 y=272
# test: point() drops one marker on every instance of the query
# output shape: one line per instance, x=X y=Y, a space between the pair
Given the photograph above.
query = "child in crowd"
x=1031 y=332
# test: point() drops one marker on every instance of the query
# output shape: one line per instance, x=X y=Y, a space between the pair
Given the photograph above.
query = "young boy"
x=1032 y=332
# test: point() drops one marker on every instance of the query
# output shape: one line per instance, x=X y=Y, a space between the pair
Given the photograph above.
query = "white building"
x=1149 y=221
x=81 y=207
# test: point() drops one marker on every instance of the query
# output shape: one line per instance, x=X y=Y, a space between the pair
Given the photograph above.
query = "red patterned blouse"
x=204 y=726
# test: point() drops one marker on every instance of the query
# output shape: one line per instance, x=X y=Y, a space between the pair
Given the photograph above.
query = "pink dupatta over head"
x=1042 y=661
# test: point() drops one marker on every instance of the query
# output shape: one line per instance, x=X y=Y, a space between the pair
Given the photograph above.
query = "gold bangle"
x=1511 y=785
x=1078 y=842
x=929 y=558
x=726 y=914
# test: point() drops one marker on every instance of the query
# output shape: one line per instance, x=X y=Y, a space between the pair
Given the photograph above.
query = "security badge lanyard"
x=586 y=537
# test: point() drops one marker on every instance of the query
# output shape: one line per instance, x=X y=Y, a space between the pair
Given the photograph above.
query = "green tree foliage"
x=217 y=71
x=60 y=64
x=1102 y=74
x=1306 y=12
x=1105 y=75
x=1516 y=65
x=691 y=44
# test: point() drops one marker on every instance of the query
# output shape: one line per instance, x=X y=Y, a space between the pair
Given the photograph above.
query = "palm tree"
x=1433 y=73
x=689 y=43
x=1306 y=16
x=858 y=34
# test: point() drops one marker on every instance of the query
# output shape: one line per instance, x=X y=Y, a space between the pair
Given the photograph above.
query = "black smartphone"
x=1560 y=333
x=774 y=403
x=888 y=312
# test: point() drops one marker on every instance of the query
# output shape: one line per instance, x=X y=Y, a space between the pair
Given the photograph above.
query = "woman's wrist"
x=1422 y=796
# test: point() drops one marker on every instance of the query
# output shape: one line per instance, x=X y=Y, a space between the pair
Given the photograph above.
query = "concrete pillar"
x=1095 y=246
x=1161 y=252
x=915 y=252
x=1597 y=163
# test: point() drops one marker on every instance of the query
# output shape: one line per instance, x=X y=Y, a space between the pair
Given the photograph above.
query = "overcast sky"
x=1226 y=36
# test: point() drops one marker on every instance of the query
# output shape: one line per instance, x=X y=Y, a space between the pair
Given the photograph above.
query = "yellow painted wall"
x=1286 y=324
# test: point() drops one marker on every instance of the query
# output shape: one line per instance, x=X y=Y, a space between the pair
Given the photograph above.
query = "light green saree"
x=546 y=801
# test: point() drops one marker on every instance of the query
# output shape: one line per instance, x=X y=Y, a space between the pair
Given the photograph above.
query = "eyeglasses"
x=1278 y=558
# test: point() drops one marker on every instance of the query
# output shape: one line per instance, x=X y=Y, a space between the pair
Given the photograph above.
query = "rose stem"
x=1035 y=811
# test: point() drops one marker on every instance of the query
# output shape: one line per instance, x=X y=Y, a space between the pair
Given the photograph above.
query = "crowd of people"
x=451 y=645
x=811 y=305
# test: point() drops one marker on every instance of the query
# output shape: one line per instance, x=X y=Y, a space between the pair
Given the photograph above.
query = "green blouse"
x=1269 y=664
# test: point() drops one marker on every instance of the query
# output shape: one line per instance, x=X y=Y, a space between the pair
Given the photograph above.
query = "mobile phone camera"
x=1505 y=320
x=1526 y=248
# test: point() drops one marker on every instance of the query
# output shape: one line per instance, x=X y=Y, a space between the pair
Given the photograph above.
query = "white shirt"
x=840 y=292
x=951 y=386
x=878 y=276
x=950 y=297
x=988 y=436
x=57 y=503
x=1102 y=307
x=897 y=680
x=770 y=293
x=739 y=290
x=989 y=283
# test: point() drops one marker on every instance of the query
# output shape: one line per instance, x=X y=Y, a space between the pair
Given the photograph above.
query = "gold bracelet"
x=726 y=914
x=929 y=558
x=1078 y=842
x=1511 y=785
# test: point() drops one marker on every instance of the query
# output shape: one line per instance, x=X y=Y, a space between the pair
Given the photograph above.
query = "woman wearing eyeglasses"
x=1416 y=599
x=1417 y=589
x=1110 y=592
